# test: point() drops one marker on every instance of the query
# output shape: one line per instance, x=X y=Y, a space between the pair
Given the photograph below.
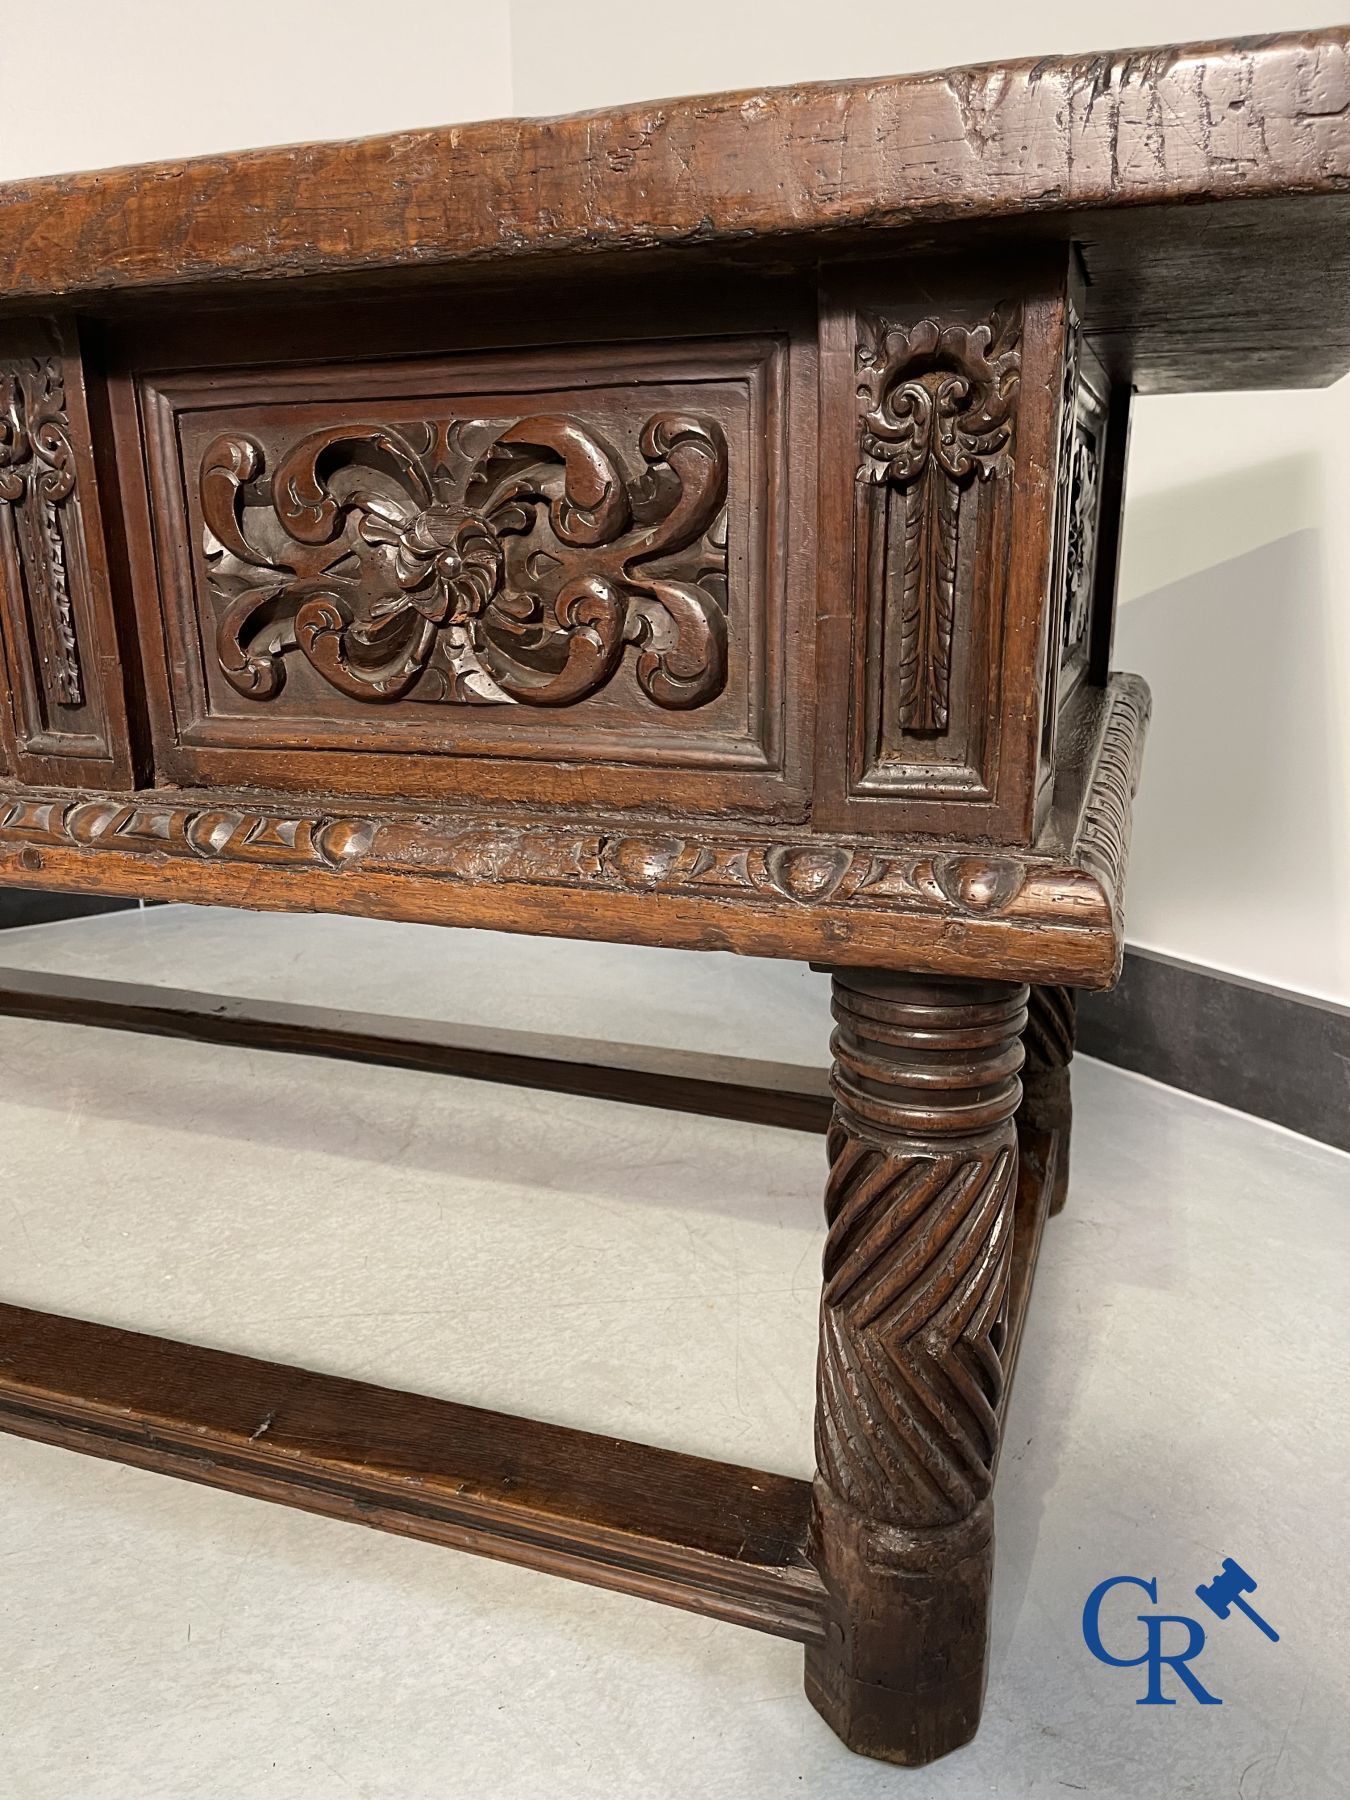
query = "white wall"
x=92 y=83
x=1236 y=589
x=1237 y=554
x=571 y=54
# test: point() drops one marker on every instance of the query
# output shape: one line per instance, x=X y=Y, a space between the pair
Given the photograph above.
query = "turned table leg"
x=923 y=1164
x=1047 y=1104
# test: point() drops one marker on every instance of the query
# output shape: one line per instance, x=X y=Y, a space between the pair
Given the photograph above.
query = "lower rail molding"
x=726 y=1087
x=711 y=1537
x=707 y=1536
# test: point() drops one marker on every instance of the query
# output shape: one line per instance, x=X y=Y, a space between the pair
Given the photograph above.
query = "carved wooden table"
x=689 y=525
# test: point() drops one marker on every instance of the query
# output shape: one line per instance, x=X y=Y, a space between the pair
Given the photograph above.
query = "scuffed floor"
x=1182 y=1397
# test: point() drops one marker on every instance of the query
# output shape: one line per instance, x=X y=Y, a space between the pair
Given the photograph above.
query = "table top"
x=1207 y=186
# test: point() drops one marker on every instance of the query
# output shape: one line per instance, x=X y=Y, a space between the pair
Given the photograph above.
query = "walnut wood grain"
x=64 y=718
x=1083 y=144
x=708 y=1536
x=921 y=1207
x=1046 y=1111
x=1049 y=915
x=724 y=1087
x=695 y=524
x=453 y=572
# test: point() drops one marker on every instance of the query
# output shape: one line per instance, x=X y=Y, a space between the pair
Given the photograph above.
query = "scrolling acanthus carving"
x=939 y=402
x=463 y=561
x=37 y=480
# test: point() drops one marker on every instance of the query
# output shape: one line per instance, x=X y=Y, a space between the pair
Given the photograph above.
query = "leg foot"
x=923 y=1163
x=901 y=1674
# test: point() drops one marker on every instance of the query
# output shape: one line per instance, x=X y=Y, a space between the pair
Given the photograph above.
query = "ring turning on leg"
x=923 y=1165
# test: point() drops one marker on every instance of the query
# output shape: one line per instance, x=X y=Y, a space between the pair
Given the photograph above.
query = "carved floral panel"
x=461 y=561
x=574 y=560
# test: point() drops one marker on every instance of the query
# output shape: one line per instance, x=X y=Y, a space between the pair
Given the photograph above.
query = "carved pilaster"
x=939 y=401
x=37 y=483
x=923 y=1161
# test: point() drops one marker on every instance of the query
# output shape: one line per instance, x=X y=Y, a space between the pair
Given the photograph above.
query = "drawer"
x=554 y=575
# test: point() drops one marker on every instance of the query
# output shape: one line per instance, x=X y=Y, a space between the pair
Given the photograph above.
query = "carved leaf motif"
x=938 y=393
x=939 y=406
x=928 y=603
x=469 y=562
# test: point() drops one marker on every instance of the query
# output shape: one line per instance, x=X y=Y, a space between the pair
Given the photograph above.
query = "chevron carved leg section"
x=923 y=1166
x=1047 y=1104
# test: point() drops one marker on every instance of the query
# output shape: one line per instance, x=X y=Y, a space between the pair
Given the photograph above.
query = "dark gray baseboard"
x=27 y=906
x=1282 y=1056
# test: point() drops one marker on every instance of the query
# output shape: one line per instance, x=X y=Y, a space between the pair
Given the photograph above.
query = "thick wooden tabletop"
x=1208 y=187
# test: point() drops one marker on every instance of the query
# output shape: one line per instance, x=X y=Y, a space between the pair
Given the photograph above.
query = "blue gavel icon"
x=1225 y=1592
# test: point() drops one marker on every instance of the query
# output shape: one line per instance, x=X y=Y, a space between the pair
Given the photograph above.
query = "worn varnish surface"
x=525 y=551
x=1051 y=915
x=694 y=524
x=917 y=1337
x=1073 y=144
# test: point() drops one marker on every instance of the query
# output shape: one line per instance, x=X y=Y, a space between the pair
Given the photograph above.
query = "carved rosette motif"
x=938 y=412
x=471 y=562
x=37 y=483
x=923 y=1160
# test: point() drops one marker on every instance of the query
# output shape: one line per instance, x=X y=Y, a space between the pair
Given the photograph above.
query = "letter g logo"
x=1092 y=1619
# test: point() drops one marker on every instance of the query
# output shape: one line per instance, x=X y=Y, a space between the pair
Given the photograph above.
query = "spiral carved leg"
x=1047 y=1104
x=923 y=1167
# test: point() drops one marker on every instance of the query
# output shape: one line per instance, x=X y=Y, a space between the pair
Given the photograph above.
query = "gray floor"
x=1182 y=1397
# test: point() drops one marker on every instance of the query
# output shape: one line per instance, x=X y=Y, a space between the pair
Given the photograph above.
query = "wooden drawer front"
x=439 y=577
x=66 y=719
